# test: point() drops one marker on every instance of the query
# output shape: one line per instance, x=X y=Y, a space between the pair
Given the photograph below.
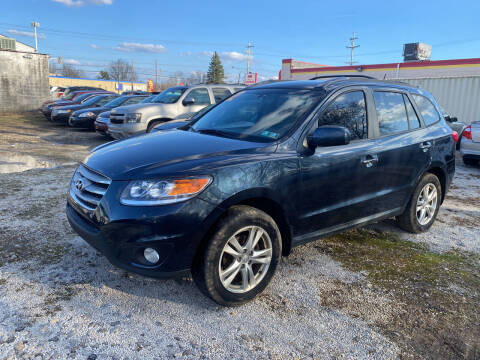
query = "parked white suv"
x=126 y=121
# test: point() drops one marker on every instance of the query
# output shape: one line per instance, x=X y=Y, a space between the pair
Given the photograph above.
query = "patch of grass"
x=435 y=297
x=388 y=259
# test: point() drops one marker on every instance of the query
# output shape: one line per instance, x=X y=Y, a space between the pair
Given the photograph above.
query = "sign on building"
x=250 y=78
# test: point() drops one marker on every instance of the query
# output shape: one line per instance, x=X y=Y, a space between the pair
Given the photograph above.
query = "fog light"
x=151 y=255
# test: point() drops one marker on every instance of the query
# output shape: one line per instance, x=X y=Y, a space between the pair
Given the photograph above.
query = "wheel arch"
x=440 y=173
x=158 y=120
x=260 y=199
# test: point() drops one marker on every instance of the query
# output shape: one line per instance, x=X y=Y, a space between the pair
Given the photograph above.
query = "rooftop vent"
x=7 y=44
x=416 y=52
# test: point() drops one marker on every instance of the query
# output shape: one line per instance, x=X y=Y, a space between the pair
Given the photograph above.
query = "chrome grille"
x=88 y=187
x=117 y=118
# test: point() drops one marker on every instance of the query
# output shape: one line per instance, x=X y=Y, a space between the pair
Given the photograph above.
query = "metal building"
x=454 y=83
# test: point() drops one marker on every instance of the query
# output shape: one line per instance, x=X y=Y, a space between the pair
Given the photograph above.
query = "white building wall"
x=459 y=96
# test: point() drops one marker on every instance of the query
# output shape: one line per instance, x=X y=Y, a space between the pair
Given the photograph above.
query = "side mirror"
x=448 y=118
x=188 y=101
x=329 y=135
x=453 y=119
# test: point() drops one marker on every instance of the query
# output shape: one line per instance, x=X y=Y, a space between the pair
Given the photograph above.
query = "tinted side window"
x=200 y=96
x=426 y=108
x=106 y=99
x=347 y=110
x=391 y=113
x=413 y=121
x=220 y=93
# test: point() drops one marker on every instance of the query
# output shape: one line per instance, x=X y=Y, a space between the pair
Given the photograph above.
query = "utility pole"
x=35 y=25
x=352 y=47
x=156 y=76
x=248 y=57
x=132 y=74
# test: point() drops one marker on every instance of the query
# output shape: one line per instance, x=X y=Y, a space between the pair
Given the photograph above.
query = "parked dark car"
x=77 y=97
x=180 y=120
x=85 y=118
x=455 y=125
x=270 y=168
x=61 y=114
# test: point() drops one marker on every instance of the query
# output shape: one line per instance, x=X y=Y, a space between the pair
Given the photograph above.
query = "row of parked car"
x=122 y=116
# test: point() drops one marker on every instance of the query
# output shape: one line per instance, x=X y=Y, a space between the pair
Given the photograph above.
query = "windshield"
x=263 y=115
x=116 y=102
x=169 y=96
x=149 y=99
x=92 y=100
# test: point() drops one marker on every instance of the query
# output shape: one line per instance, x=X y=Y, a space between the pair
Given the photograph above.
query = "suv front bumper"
x=122 y=233
x=120 y=131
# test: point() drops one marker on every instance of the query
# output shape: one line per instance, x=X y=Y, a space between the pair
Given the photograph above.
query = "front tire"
x=240 y=258
x=422 y=209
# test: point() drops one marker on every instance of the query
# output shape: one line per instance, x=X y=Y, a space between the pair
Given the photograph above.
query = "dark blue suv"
x=269 y=168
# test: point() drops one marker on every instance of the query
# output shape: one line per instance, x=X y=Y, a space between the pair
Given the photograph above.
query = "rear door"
x=220 y=93
x=402 y=146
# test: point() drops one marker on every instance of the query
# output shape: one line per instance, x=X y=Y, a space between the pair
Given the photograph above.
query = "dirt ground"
x=375 y=292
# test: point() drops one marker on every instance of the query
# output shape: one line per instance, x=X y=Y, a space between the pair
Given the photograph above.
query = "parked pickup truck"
x=126 y=121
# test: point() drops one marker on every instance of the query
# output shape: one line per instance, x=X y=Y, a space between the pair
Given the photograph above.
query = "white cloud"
x=26 y=33
x=70 y=3
x=138 y=47
x=71 y=62
x=234 y=56
x=207 y=53
x=186 y=53
x=95 y=46
x=77 y=3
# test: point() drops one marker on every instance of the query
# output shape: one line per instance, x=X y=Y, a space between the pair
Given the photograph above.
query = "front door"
x=196 y=100
x=337 y=187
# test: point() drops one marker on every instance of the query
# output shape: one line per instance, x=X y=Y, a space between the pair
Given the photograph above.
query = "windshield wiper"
x=215 y=132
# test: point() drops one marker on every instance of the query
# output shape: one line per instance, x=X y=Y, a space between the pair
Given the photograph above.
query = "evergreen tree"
x=215 y=73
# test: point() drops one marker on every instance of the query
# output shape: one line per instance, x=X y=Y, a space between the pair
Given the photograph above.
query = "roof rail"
x=342 y=76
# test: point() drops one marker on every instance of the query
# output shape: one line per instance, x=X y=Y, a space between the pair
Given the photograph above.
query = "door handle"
x=369 y=160
x=425 y=146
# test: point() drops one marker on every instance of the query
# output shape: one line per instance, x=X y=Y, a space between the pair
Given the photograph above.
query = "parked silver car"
x=470 y=144
x=126 y=121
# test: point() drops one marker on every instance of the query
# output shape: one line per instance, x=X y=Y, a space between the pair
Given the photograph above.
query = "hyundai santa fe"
x=269 y=168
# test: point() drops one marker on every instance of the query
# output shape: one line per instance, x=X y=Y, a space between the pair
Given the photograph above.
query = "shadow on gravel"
x=435 y=295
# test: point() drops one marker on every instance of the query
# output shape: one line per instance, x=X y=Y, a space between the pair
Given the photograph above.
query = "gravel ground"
x=60 y=299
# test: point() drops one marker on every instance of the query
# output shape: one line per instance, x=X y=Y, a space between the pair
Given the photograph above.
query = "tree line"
x=121 y=70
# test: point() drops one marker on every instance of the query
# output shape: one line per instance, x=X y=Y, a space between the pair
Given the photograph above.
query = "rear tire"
x=422 y=209
x=227 y=269
x=468 y=161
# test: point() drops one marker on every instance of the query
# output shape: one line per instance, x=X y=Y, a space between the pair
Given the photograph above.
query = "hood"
x=95 y=110
x=135 y=107
x=168 y=153
x=73 y=107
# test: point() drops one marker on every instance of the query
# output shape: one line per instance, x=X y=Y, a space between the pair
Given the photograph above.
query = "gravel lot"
x=370 y=293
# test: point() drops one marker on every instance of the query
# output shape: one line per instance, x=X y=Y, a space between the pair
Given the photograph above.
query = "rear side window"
x=427 y=109
x=413 y=121
x=347 y=110
x=220 y=93
x=391 y=112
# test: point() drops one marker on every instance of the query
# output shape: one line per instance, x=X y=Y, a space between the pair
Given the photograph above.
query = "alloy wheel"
x=245 y=259
x=426 y=204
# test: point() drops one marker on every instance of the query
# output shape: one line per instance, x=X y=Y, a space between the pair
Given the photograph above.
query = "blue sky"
x=181 y=35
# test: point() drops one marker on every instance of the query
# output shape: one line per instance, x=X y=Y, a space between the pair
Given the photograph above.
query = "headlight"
x=154 y=192
x=60 y=111
x=87 y=114
x=133 y=117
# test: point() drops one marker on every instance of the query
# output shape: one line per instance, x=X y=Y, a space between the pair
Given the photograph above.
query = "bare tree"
x=121 y=70
x=68 y=70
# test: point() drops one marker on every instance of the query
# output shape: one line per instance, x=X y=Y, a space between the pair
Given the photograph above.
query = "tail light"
x=467 y=133
x=455 y=136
